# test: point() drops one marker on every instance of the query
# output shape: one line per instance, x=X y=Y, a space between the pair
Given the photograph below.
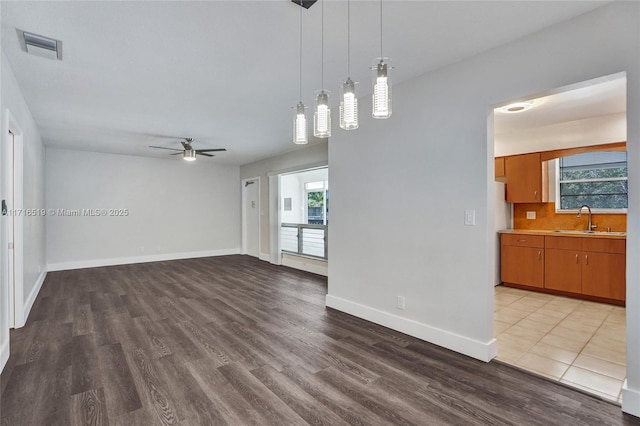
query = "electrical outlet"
x=400 y=303
x=470 y=217
x=141 y=249
x=531 y=215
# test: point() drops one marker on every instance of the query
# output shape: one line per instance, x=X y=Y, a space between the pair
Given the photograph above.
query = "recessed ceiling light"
x=516 y=107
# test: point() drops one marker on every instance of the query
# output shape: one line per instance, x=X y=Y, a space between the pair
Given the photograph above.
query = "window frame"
x=593 y=210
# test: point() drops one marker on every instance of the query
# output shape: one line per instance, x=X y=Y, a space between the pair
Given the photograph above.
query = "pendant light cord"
x=300 y=50
x=322 y=49
x=380 y=29
x=349 y=38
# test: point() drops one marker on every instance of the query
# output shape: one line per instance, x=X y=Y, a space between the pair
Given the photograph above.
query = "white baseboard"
x=265 y=257
x=630 y=400
x=484 y=351
x=299 y=262
x=4 y=353
x=28 y=304
x=94 y=263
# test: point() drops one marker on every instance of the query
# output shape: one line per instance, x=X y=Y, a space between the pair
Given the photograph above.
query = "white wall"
x=176 y=208
x=292 y=187
x=315 y=154
x=432 y=160
x=571 y=134
x=33 y=198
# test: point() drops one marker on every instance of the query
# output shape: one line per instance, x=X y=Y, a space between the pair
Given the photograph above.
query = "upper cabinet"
x=500 y=173
x=525 y=178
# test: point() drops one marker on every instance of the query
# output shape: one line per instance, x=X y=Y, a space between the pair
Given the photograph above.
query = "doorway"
x=8 y=211
x=551 y=326
x=251 y=217
x=12 y=222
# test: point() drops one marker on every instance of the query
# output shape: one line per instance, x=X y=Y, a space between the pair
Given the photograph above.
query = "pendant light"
x=322 y=116
x=381 y=86
x=300 y=119
x=348 y=100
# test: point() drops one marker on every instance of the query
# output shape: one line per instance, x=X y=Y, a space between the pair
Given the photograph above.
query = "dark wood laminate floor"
x=232 y=340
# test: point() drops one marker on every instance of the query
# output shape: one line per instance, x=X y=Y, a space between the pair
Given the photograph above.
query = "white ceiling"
x=591 y=99
x=226 y=72
x=588 y=113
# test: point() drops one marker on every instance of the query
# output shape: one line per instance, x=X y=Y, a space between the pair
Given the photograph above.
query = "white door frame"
x=244 y=215
x=13 y=164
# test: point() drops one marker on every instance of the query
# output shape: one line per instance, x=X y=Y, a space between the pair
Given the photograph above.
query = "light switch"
x=470 y=217
x=531 y=215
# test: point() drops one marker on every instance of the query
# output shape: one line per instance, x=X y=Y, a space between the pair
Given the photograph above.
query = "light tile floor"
x=576 y=342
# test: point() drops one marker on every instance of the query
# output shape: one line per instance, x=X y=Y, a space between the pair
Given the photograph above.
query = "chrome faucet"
x=590 y=227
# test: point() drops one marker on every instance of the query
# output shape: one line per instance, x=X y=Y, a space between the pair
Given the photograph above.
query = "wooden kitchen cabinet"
x=522 y=260
x=500 y=172
x=587 y=266
x=604 y=268
x=563 y=270
x=524 y=178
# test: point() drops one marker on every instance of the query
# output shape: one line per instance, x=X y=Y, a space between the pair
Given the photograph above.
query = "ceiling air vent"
x=40 y=45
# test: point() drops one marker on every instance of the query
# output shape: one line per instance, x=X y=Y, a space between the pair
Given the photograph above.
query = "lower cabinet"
x=523 y=265
x=522 y=259
x=562 y=271
x=588 y=266
x=604 y=275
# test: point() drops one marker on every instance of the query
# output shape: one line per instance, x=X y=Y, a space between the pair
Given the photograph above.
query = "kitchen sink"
x=573 y=231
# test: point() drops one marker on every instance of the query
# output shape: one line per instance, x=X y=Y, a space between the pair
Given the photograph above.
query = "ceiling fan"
x=188 y=153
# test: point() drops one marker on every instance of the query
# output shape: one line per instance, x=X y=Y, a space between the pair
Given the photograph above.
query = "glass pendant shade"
x=349 y=106
x=300 y=125
x=381 y=91
x=322 y=116
x=189 y=155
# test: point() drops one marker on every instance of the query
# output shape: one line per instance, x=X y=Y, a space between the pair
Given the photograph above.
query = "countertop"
x=567 y=233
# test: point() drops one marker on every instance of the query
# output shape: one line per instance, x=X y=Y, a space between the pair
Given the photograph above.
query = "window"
x=597 y=179
x=317 y=202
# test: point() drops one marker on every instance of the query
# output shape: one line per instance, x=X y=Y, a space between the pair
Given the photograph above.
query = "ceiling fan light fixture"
x=189 y=155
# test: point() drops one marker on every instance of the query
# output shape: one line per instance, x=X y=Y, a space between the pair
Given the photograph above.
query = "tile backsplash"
x=547 y=218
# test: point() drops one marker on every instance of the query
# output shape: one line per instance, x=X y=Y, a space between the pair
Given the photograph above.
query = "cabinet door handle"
x=539 y=255
x=586 y=259
x=535 y=195
x=577 y=259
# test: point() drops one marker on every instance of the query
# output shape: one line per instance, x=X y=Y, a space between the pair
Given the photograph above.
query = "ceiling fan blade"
x=210 y=150
x=164 y=147
x=177 y=153
x=206 y=155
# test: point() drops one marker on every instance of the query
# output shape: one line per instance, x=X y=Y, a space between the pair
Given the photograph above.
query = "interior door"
x=252 y=218
x=8 y=225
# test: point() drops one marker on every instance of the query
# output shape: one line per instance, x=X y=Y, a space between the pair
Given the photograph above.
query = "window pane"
x=593 y=173
x=594 y=201
x=313 y=242
x=602 y=193
x=616 y=187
